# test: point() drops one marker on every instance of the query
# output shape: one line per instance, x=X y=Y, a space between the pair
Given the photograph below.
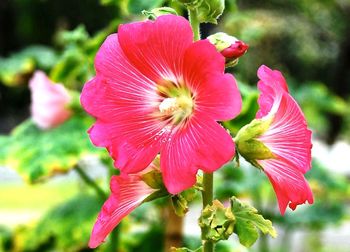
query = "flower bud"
x=218 y=221
x=154 y=13
x=230 y=47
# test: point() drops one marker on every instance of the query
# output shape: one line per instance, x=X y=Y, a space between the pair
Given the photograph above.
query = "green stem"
x=192 y=14
x=207 y=193
x=115 y=237
x=89 y=181
x=207 y=197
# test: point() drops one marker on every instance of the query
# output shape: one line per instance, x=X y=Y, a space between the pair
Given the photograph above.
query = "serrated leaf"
x=248 y=222
x=37 y=154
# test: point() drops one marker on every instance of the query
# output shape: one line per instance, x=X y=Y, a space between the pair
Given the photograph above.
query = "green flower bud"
x=247 y=142
x=153 y=14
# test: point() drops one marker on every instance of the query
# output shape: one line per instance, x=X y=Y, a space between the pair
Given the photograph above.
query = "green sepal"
x=156 y=195
x=153 y=179
x=180 y=205
x=221 y=40
x=255 y=128
x=231 y=63
x=249 y=146
x=157 y=12
x=217 y=221
x=180 y=201
x=248 y=222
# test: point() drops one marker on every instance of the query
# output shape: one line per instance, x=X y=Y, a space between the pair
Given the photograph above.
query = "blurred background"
x=53 y=181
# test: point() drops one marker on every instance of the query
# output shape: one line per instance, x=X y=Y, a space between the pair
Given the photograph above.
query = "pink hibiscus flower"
x=157 y=91
x=287 y=137
x=49 y=101
x=128 y=192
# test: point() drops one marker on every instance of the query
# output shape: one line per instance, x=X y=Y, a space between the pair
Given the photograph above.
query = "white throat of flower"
x=178 y=108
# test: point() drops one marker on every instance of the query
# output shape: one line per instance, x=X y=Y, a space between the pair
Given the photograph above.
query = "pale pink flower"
x=157 y=91
x=128 y=192
x=49 y=101
x=287 y=137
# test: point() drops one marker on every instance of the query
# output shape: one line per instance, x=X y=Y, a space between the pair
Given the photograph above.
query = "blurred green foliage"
x=66 y=227
x=37 y=155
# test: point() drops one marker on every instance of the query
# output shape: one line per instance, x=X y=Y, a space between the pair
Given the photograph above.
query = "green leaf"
x=136 y=6
x=15 y=69
x=248 y=222
x=37 y=154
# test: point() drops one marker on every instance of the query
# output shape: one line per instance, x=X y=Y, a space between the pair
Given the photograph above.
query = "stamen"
x=168 y=106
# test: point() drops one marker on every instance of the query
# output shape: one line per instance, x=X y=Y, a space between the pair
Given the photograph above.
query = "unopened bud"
x=230 y=47
x=235 y=50
x=157 y=12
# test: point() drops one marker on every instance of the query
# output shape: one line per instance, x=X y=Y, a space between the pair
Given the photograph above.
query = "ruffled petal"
x=288 y=135
x=128 y=192
x=289 y=184
x=271 y=85
x=156 y=48
x=132 y=145
x=201 y=144
x=119 y=89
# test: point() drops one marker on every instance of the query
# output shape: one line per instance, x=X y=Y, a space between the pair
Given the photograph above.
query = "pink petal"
x=216 y=94
x=201 y=144
x=157 y=47
x=273 y=78
x=132 y=145
x=288 y=182
x=124 y=102
x=219 y=98
x=128 y=192
x=288 y=135
x=271 y=84
x=119 y=89
x=200 y=61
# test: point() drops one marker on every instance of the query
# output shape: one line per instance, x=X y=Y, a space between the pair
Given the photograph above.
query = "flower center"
x=177 y=103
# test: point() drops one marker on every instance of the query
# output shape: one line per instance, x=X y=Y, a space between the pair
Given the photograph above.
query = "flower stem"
x=207 y=193
x=89 y=181
x=207 y=197
x=192 y=14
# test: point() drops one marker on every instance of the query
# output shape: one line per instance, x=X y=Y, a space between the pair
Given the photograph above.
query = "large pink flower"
x=287 y=137
x=49 y=101
x=128 y=192
x=157 y=91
